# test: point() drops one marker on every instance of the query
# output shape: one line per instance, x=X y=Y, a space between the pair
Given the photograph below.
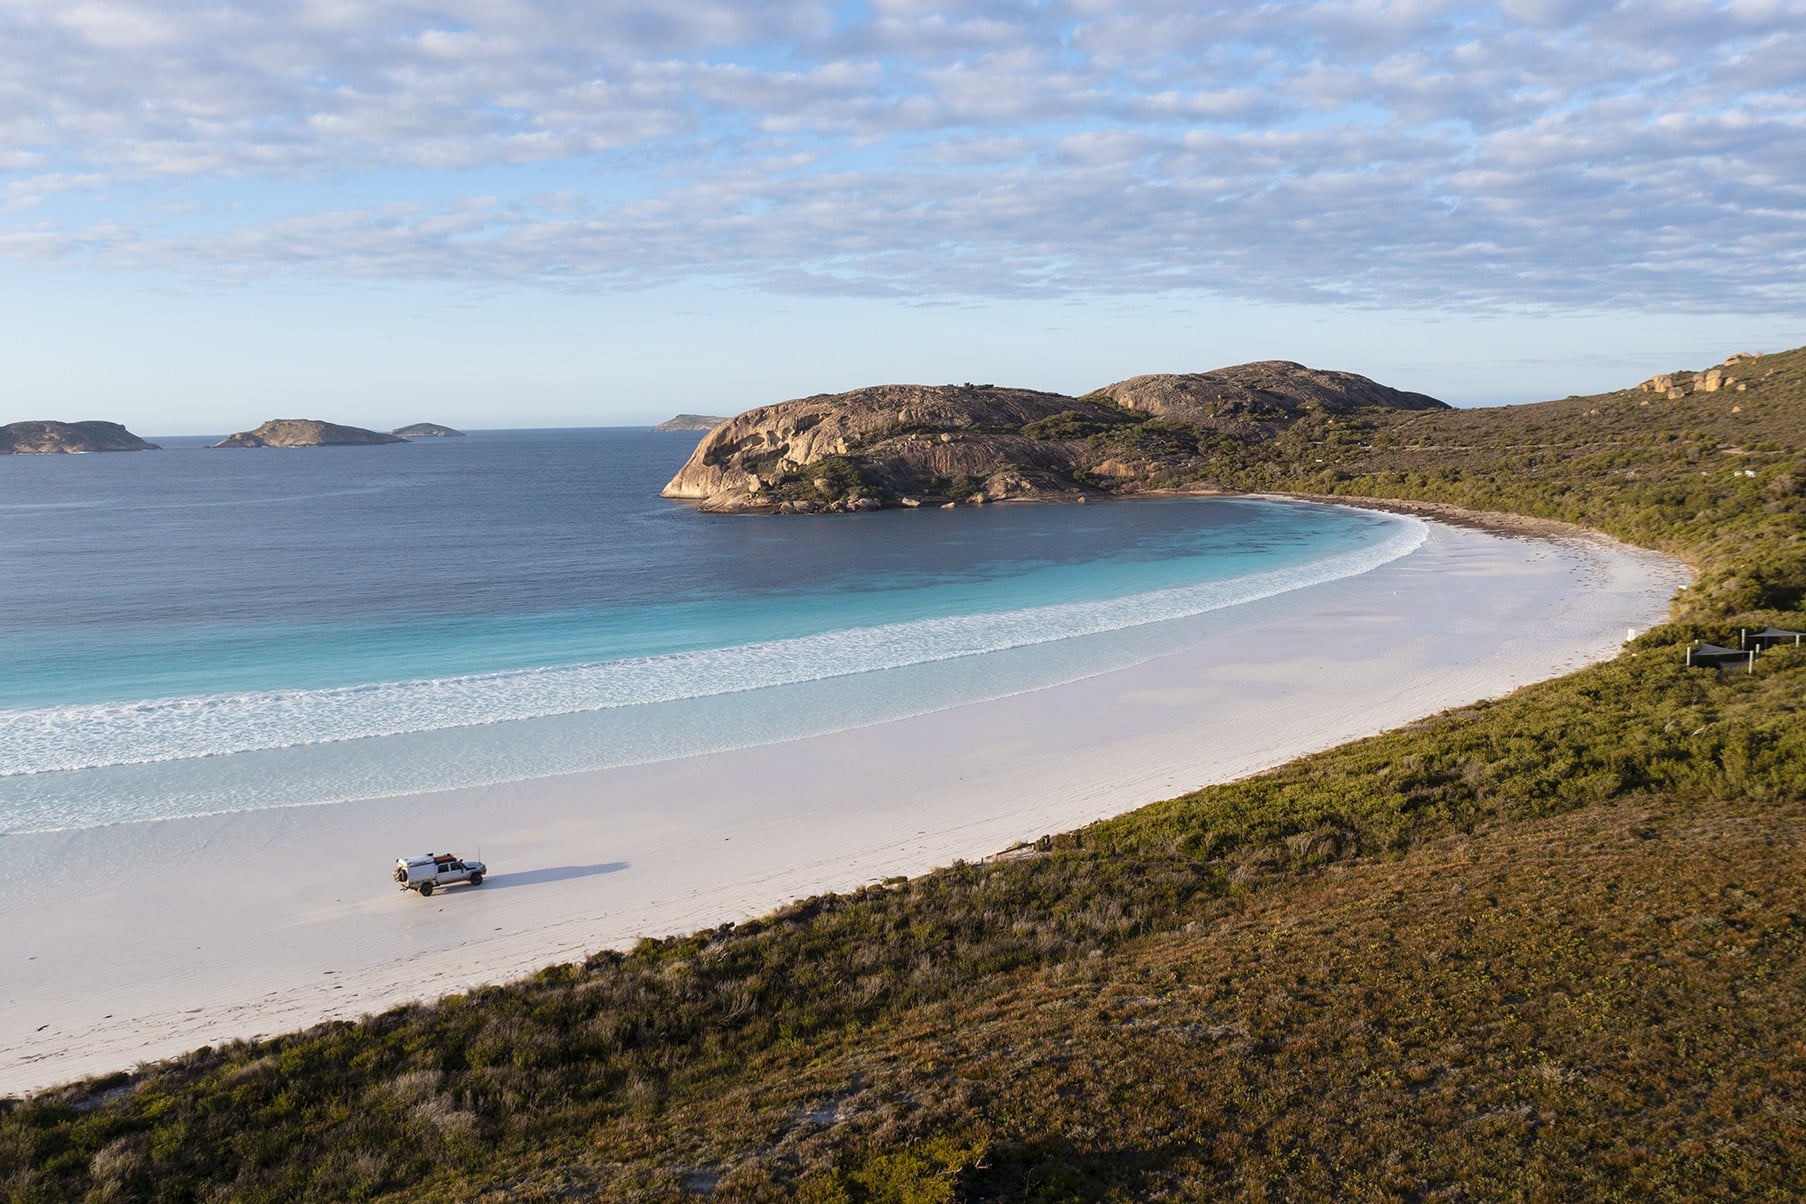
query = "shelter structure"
x=1768 y=637
x=1712 y=656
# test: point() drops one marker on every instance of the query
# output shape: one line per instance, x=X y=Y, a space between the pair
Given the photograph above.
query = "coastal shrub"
x=1072 y=424
x=829 y=479
x=1776 y=581
x=1155 y=437
x=957 y=488
x=923 y=1172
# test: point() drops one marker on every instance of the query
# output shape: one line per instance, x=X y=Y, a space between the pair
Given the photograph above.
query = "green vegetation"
x=1072 y=424
x=959 y=487
x=1155 y=437
x=829 y=479
x=1713 y=477
x=1544 y=947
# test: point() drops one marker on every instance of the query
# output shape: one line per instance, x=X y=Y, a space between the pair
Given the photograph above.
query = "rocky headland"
x=913 y=445
x=306 y=432
x=426 y=430
x=46 y=437
x=690 y=422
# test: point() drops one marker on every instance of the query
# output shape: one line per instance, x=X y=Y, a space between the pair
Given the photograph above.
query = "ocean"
x=194 y=630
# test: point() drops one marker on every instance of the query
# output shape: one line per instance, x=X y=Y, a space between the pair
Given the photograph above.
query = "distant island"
x=690 y=422
x=305 y=432
x=943 y=445
x=47 y=437
x=426 y=430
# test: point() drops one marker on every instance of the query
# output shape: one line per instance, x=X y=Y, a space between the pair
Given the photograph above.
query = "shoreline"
x=137 y=942
x=1498 y=522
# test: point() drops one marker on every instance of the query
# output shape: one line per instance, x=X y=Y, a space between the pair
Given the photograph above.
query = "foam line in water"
x=92 y=736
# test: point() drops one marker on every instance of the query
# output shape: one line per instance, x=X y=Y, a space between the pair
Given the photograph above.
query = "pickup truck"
x=430 y=871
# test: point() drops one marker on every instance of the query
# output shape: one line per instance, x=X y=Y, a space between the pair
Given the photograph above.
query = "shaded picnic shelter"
x=1768 y=637
x=1712 y=656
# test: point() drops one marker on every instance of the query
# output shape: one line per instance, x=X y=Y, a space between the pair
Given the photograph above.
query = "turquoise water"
x=198 y=630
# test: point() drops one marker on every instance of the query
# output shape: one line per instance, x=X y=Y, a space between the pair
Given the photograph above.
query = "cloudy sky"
x=521 y=212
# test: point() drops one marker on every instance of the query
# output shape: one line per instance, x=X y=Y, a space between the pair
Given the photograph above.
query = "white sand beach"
x=139 y=941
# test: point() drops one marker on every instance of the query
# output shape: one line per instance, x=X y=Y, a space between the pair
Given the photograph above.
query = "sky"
x=503 y=213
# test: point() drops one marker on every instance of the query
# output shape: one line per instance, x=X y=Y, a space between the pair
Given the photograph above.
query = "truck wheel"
x=426 y=888
x=401 y=875
x=476 y=879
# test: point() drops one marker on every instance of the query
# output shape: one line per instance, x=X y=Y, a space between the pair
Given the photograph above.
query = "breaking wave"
x=92 y=736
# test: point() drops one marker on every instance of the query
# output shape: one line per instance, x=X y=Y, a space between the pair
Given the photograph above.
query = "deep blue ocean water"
x=196 y=630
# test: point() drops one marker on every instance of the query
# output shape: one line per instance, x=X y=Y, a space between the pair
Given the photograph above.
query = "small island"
x=690 y=422
x=47 y=437
x=426 y=430
x=306 y=432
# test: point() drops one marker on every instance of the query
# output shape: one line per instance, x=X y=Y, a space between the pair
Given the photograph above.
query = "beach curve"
x=136 y=942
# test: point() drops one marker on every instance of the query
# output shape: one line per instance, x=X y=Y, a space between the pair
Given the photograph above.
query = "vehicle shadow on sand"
x=553 y=873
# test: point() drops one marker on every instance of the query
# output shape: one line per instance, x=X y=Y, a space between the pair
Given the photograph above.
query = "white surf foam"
x=60 y=739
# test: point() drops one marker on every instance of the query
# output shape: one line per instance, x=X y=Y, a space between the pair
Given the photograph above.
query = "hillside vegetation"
x=1715 y=477
x=1546 y=947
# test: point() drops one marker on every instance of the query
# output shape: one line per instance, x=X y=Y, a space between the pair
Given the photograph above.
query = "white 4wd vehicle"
x=432 y=870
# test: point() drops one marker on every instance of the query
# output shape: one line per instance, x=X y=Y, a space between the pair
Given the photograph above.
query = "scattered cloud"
x=1530 y=153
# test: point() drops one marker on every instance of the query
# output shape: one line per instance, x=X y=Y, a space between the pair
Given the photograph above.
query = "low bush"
x=1071 y=424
